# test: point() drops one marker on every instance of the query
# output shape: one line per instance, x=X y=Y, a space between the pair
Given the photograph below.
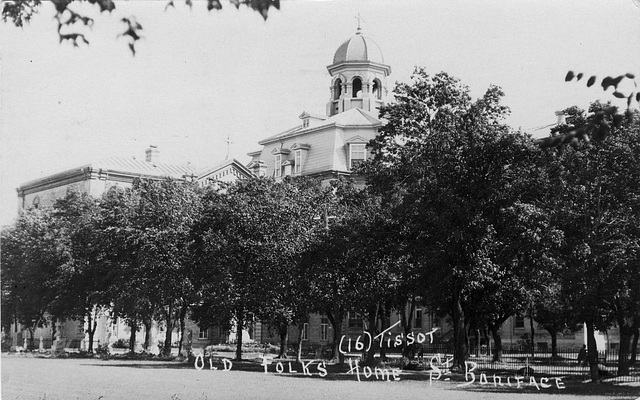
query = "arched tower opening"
x=356 y=88
x=337 y=89
x=377 y=89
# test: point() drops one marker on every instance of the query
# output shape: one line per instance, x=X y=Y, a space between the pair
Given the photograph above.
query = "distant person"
x=582 y=355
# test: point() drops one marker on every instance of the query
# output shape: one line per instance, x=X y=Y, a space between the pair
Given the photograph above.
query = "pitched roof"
x=118 y=166
x=354 y=117
x=142 y=167
x=203 y=173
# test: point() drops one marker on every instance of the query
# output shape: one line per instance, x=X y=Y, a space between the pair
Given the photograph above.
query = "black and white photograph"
x=362 y=199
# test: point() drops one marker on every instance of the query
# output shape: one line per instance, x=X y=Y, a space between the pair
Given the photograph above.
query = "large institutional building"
x=324 y=146
x=329 y=146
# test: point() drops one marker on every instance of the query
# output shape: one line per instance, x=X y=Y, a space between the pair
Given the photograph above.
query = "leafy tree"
x=71 y=22
x=250 y=235
x=131 y=298
x=30 y=261
x=149 y=230
x=450 y=160
x=290 y=301
x=81 y=284
x=597 y=208
x=165 y=215
x=553 y=313
x=346 y=274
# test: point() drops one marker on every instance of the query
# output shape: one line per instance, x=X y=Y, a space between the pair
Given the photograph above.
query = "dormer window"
x=357 y=154
x=297 y=162
x=279 y=160
x=300 y=152
x=277 y=165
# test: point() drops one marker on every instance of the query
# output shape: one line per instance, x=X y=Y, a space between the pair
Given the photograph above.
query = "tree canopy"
x=71 y=20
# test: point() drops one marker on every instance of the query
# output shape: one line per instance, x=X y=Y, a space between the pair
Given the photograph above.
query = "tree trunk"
x=169 y=334
x=533 y=334
x=239 y=326
x=299 y=346
x=132 y=337
x=461 y=349
x=497 y=354
x=335 y=317
x=147 y=333
x=554 y=343
x=91 y=328
x=406 y=326
x=183 y=315
x=54 y=323
x=31 y=345
x=626 y=332
x=283 y=332
x=372 y=329
x=384 y=324
x=634 y=347
x=592 y=352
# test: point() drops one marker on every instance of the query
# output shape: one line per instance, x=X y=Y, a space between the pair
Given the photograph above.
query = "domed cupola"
x=358 y=48
x=358 y=75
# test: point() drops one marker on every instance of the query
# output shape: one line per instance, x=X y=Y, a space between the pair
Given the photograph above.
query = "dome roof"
x=358 y=48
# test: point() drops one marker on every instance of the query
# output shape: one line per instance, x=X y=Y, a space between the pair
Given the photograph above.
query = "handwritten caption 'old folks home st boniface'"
x=439 y=365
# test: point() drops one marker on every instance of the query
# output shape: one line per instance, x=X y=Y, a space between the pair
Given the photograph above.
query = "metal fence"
x=522 y=361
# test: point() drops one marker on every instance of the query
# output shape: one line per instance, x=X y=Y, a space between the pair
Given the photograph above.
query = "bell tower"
x=358 y=76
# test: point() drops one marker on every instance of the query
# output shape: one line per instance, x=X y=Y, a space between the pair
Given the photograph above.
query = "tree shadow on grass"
x=146 y=365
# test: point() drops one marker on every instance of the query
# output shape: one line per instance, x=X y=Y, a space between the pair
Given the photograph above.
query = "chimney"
x=561 y=118
x=152 y=153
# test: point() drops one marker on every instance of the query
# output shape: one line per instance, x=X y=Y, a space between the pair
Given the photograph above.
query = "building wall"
x=46 y=197
x=328 y=149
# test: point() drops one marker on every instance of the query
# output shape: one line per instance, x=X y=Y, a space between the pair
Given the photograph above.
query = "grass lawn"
x=25 y=377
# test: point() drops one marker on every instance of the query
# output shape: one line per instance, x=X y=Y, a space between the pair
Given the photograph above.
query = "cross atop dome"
x=359 y=18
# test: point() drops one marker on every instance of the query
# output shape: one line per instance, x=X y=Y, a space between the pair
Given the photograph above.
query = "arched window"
x=337 y=89
x=377 y=89
x=357 y=88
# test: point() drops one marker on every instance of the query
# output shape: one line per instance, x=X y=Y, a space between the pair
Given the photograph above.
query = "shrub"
x=121 y=344
x=398 y=362
x=103 y=351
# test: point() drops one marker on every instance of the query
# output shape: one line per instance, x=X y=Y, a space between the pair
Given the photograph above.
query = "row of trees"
x=460 y=214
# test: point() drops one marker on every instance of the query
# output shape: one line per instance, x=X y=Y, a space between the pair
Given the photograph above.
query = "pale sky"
x=199 y=76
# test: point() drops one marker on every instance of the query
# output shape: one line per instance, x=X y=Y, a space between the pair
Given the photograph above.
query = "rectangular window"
x=324 y=328
x=223 y=333
x=355 y=321
x=277 y=168
x=81 y=328
x=435 y=321
x=305 y=331
x=298 y=162
x=418 y=319
x=519 y=323
x=357 y=154
x=203 y=333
